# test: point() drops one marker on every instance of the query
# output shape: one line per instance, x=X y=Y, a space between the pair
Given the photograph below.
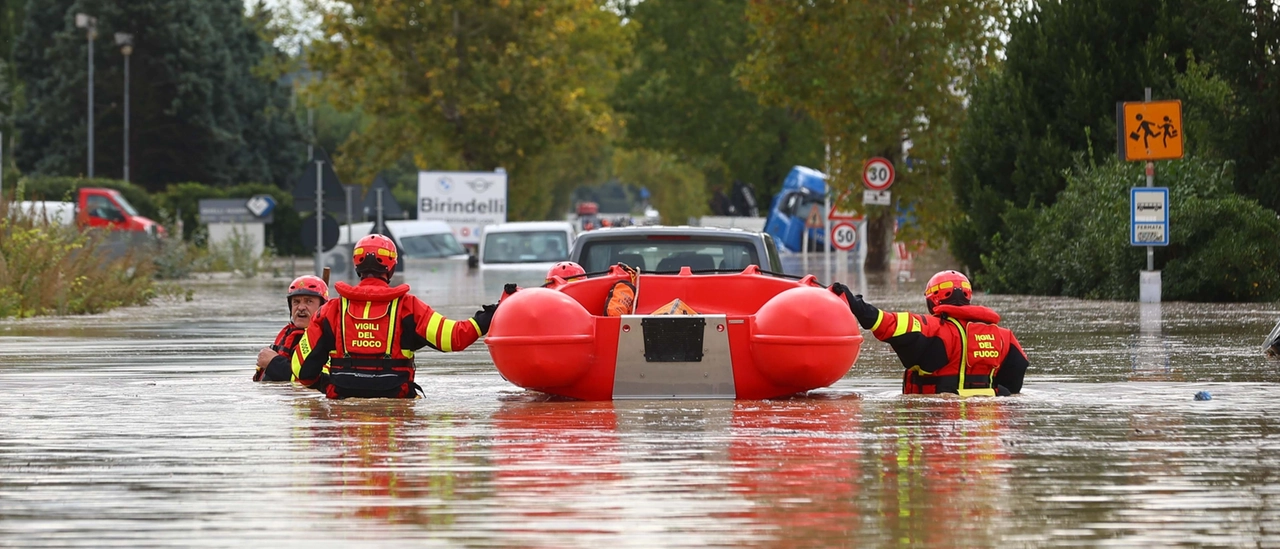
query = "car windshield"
x=124 y=204
x=526 y=247
x=431 y=245
x=661 y=255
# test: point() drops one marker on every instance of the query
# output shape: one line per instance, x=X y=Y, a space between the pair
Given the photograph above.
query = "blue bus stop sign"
x=1149 y=216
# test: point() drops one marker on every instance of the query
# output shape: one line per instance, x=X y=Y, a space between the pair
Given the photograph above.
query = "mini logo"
x=446 y=185
x=260 y=205
x=479 y=185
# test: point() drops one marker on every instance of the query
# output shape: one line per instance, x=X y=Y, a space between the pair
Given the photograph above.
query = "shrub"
x=1222 y=246
x=55 y=269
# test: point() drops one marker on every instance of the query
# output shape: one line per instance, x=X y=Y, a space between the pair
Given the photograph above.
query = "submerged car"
x=660 y=249
x=526 y=245
x=416 y=239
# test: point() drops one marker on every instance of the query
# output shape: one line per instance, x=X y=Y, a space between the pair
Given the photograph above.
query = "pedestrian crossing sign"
x=1150 y=130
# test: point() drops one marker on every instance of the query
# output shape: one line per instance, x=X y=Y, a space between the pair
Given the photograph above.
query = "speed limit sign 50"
x=844 y=236
x=877 y=173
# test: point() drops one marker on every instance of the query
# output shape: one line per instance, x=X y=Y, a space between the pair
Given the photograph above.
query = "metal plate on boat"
x=656 y=358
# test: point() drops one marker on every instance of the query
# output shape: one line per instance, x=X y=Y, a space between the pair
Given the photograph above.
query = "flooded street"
x=141 y=427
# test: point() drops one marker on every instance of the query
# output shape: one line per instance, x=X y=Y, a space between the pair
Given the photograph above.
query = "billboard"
x=466 y=200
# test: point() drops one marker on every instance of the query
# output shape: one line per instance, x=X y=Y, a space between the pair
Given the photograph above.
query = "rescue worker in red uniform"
x=370 y=332
x=957 y=348
x=306 y=294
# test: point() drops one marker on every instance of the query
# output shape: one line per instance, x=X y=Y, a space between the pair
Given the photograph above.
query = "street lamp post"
x=90 y=24
x=125 y=41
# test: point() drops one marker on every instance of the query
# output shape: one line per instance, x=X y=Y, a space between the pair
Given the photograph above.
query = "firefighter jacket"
x=279 y=369
x=369 y=335
x=958 y=349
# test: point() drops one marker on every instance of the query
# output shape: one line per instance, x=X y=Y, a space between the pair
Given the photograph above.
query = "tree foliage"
x=201 y=110
x=872 y=74
x=680 y=96
x=679 y=190
x=1222 y=247
x=1067 y=64
x=471 y=84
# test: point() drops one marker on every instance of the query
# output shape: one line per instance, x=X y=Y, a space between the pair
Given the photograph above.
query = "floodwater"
x=141 y=428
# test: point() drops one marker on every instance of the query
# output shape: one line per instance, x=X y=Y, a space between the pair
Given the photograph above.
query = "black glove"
x=864 y=312
x=509 y=288
x=484 y=316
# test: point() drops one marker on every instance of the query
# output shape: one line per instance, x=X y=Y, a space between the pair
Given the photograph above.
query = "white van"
x=416 y=239
x=531 y=245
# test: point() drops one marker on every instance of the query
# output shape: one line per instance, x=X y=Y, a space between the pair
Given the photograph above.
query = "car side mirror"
x=473 y=261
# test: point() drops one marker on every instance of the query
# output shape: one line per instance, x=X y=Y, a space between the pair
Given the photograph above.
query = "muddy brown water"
x=141 y=428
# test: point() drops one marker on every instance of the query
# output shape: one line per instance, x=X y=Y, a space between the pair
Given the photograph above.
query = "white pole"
x=126 y=116
x=826 y=216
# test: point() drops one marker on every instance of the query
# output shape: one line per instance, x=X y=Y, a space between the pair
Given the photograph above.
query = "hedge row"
x=1222 y=247
x=180 y=201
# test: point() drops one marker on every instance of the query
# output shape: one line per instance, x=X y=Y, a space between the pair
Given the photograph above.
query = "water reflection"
x=943 y=471
x=1150 y=348
x=380 y=463
x=798 y=461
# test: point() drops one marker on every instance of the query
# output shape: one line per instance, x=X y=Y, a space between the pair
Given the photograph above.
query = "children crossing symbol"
x=1150 y=130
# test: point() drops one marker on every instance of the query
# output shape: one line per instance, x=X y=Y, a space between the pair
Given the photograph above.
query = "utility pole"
x=125 y=41
x=85 y=21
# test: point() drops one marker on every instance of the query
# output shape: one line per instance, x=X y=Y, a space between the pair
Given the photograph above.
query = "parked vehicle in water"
x=415 y=239
x=531 y=245
x=94 y=208
x=803 y=194
x=665 y=249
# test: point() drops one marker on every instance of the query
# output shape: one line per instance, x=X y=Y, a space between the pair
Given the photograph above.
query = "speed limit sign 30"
x=877 y=173
x=844 y=236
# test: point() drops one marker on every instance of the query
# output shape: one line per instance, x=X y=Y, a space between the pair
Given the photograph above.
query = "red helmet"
x=308 y=285
x=380 y=248
x=565 y=270
x=943 y=285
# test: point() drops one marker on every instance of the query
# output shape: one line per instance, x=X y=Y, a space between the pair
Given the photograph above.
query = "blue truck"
x=803 y=190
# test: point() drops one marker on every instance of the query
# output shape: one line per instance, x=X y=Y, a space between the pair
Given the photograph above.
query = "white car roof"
x=525 y=226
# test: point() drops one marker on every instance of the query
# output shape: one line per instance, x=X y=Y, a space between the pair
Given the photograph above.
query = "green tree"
x=201 y=110
x=1067 y=64
x=470 y=84
x=872 y=74
x=680 y=96
x=1255 y=77
x=12 y=12
x=679 y=190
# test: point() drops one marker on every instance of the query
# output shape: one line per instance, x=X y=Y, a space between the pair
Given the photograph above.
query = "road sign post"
x=844 y=236
x=1147 y=131
x=877 y=175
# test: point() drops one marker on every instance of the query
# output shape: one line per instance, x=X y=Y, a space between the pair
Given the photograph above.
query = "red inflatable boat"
x=754 y=336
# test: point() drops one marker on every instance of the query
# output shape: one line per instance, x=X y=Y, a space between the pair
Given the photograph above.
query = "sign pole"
x=1151 y=180
x=319 y=216
x=348 y=189
x=381 y=227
